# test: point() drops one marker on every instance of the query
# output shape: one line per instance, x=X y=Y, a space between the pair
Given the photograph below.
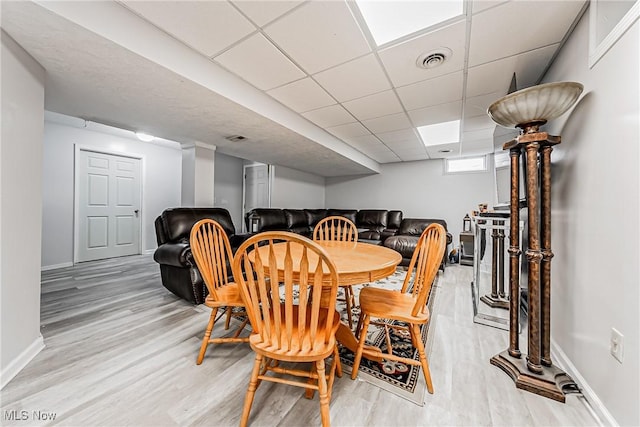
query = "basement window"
x=466 y=164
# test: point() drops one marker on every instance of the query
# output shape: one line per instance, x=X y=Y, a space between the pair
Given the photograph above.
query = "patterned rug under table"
x=406 y=381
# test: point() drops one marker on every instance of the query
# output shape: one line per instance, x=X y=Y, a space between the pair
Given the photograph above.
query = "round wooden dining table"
x=357 y=263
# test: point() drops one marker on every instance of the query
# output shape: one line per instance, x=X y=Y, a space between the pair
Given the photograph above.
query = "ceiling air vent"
x=236 y=138
x=433 y=59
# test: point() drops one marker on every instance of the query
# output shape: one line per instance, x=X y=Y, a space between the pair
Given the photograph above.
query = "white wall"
x=198 y=174
x=161 y=182
x=21 y=208
x=228 y=186
x=295 y=189
x=595 y=278
x=419 y=189
x=188 y=196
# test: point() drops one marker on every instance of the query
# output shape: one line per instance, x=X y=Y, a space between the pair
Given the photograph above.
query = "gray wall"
x=419 y=189
x=595 y=278
x=161 y=182
x=227 y=186
x=20 y=207
x=295 y=189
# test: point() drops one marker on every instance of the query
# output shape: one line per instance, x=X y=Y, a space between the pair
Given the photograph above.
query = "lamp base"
x=494 y=302
x=553 y=383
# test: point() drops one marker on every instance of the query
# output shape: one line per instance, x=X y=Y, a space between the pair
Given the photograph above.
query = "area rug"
x=406 y=381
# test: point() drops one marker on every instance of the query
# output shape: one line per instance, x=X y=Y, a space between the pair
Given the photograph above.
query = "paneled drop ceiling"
x=317 y=59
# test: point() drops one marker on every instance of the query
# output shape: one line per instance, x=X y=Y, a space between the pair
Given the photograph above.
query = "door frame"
x=76 y=192
x=270 y=175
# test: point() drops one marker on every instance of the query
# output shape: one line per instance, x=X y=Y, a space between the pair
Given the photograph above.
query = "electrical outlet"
x=616 y=346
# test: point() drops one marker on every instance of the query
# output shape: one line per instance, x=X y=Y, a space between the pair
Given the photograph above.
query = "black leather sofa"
x=374 y=225
x=177 y=269
x=406 y=238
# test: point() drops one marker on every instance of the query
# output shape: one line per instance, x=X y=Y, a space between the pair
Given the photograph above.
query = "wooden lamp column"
x=535 y=373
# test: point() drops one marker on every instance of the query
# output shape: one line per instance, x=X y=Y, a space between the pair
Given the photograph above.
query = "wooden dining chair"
x=408 y=305
x=339 y=228
x=290 y=298
x=212 y=253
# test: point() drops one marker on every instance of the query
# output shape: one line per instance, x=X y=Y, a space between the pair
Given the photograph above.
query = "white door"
x=108 y=206
x=256 y=187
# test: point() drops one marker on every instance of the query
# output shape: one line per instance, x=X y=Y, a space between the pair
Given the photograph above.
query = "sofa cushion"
x=269 y=219
x=296 y=218
x=394 y=218
x=350 y=214
x=372 y=219
x=314 y=216
x=178 y=222
x=415 y=226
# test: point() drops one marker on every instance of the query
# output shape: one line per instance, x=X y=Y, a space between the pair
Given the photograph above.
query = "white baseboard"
x=56 y=266
x=18 y=364
x=595 y=405
x=149 y=251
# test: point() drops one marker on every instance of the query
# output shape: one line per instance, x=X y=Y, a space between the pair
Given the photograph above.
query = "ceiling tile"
x=440 y=90
x=436 y=114
x=303 y=95
x=348 y=130
x=400 y=60
x=274 y=68
x=207 y=26
x=333 y=115
x=477 y=148
x=262 y=12
x=388 y=123
x=477 y=105
x=355 y=79
x=408 y=156
x=405 y=135
x=496 y=34
x=496 y=76
x=406 y=146
x=372 y=106
x=363 y=141
x=477 y=123
x=388 y=157
x=319 y=35
x=480 y=5
x=478 y=135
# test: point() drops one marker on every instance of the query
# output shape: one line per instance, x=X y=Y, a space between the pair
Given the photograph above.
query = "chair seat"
x=298 y=350
x=228 y=296
x=391 y=305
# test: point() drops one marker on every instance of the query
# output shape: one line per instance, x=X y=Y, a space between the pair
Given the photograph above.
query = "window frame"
x=483 y=170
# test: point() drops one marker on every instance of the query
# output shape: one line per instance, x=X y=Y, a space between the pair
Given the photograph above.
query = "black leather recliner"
x=177 y=269
x=406 y=238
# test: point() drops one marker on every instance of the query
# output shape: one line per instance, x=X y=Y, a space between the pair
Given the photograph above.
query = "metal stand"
x=537 y=374
x=497 y=298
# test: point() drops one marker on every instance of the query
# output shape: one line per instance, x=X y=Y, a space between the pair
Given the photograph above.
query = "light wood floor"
x=121 y=350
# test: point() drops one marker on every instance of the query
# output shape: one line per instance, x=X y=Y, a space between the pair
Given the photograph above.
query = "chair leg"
x=251 y=391
x=228 y=321
x=337 y=362
x=348 y=301
x=415 y=332
x=207 y=335
x=324 y=394
x=361 y=340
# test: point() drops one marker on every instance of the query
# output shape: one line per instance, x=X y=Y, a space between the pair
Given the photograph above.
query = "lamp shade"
x=535 y=104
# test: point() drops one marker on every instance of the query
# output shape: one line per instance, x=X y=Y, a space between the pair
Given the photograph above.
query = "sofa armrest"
x=449 y=238
x=388 y=232
x=174 y=254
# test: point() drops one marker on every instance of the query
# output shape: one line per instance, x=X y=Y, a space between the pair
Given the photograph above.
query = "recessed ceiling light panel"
x=391 y=20
x=440 y=133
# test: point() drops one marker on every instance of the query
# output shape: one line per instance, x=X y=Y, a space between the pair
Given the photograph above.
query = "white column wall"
x=20 y=207
x=294 y=189
x=228 y=187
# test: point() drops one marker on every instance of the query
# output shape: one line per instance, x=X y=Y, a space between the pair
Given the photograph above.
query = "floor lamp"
x=527 y=110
